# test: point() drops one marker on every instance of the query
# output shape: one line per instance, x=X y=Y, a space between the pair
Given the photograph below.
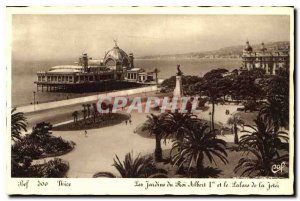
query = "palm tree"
x=198 y=144
x=214 y=86
x=265 y=145
x=156 y=71
x=84 y=111
x=155 y=126
x=138 y=167
x=235 y=121
x=18 y=123
x=178 y=124
x=88 y=110
x=276 y=112
x=75 y=116
x=95 y=112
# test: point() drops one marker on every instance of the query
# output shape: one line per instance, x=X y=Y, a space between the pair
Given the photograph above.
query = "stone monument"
x=178 y=87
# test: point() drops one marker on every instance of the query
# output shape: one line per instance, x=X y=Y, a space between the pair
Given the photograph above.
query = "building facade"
x=270 y=61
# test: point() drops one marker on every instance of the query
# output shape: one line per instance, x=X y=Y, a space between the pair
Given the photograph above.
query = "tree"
x=276 y=113
x=235 y=72
x=178 y=124
x=187 y=82
x=75 y=116
x=264 y=147
x=277 y=108
x=138 y=167
x=39 y=144
x=245 y=87
x=213 y=88
x=84 y=112
x=156 y=71
x=169 y=84
x=40 y=133
x=88 y=110
x=235 y=120
x=155 y=126
x=198 y=144
x=18 y=123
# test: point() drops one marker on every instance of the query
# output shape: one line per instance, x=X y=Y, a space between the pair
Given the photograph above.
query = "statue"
x=178 y=86
x=116 y=42
x=179 y=72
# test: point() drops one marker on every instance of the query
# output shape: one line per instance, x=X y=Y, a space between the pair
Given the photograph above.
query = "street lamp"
x=34 y=98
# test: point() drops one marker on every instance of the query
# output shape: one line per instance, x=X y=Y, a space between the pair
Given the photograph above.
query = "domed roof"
x=117 y=54
x=263 y=48
x=248 y=48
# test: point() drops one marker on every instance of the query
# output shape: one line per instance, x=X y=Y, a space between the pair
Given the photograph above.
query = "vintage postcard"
x=150 y=101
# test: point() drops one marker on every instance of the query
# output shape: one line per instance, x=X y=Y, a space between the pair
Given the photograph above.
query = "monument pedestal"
x=178 y=87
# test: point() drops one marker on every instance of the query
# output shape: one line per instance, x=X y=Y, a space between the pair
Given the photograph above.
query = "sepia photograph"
x=152 y=100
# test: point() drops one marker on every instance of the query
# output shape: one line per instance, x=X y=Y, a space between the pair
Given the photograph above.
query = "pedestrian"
x=126 y=122
x=85 y=133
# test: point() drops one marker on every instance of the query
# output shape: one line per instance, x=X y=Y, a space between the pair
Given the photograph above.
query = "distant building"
x=115 y=66
x=270 y=61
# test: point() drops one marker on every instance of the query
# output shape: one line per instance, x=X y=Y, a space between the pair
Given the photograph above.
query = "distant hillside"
x=226 y=52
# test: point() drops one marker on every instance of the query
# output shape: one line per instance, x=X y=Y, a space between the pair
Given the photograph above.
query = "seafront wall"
x=86 y=99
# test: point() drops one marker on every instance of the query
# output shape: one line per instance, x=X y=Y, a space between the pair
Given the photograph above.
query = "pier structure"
x=62 y=78
x=88 y=74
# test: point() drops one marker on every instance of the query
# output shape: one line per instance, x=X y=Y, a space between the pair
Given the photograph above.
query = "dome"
x=65 y=69
x=116 y=56
x=263 y=48
x=248 y=48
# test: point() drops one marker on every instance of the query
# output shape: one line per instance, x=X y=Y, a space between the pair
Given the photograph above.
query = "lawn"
x=248 y=117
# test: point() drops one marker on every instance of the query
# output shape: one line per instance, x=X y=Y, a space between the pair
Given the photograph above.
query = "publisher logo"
x=278 y=168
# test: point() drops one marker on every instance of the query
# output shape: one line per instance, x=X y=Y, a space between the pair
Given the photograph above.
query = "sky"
x=46 y=37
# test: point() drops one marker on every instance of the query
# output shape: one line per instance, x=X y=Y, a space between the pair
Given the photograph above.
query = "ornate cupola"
x=263 y=48
x=248 y=48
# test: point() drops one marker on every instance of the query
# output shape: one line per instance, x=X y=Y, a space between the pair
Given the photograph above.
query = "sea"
x=24 y=75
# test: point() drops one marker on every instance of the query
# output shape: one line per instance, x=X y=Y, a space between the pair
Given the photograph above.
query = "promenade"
x=86 y=99
x=62 y=114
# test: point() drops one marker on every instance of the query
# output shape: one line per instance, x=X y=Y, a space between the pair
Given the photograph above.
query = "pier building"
x=88 y=74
